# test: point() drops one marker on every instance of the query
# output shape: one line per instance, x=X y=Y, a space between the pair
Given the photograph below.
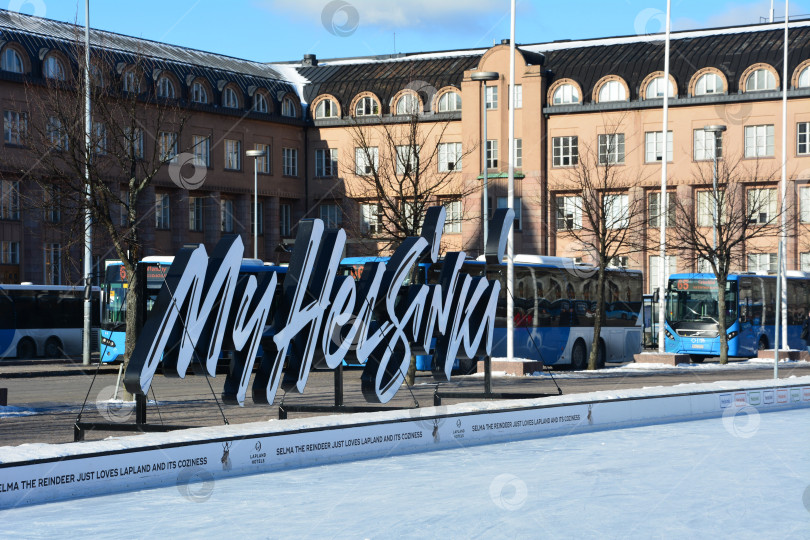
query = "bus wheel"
x=695 y=359
x=579 y=356
x=53 y=348
x=26 y=349
x=763 y=344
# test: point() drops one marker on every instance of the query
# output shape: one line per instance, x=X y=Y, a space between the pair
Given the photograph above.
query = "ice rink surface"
x=745 y=475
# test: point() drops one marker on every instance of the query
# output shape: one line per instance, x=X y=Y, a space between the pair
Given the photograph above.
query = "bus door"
x=748 y=337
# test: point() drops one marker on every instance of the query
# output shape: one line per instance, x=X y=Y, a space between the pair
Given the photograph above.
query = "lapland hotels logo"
x=205 y=306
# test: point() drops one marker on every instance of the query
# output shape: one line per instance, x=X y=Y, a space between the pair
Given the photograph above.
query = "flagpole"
x=664 y=202
x=510 y=200
x=88 y=221
x=782 y=255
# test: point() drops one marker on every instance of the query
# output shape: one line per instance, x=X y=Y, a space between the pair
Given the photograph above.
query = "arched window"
x=12 y=61
x=407 y=104
x=326 y=108
x=54 y=69
x=229 y=98
x=565 y=95
x=96 y=75
x=259 y=102
x=655 y=89
x=804 y=78
x=131 y=81
x=165 y=87
x=709 y=83
x=288 y=107
x=451 y=101
x=612 y=91
x=366 y=106
x=199 y=94
x=759 y=80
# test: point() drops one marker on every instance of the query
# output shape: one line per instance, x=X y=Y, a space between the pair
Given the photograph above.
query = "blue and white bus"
x=692 y=309
x=44 y=320
x=114 y=298
x=554 y=308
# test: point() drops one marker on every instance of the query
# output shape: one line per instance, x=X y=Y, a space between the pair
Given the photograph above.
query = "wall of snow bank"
x=39 y=473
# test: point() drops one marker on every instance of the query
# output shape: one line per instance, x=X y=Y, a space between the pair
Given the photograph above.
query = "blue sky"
x=277 y=30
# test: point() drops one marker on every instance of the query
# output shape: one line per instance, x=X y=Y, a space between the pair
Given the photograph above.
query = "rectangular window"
x=502 y=203
x=15 y=127
x=202 y=151
x=761 y=206
x=704 y=142
x=762 y=262
x=100 y=136
x=518 y=96
x=803 y=139
x=611 y=148
x=326 y=164
x=620 y=261
x=759 y=141
x=233 y=155
x=518 y=153
x=804 y=204
x=134 y=139
x=226 y=215
x=804 y=261
x=569 y=213
x=290 y=158
x=168 y=146
x=407 y=159
x=565 y=151
x=617 y=211
x=492 y=154
x=449 y=157
x=653 y=147
x=655 y=262
x=162 y=211
x=53 y=264
x=285 y=218
x=492 y=97
x=706 y=206
x=330 y=214
x=263 y=161
x=704 y=267
x=370 y=214
x=453 y=222
x=195 y=213
x=366 y=160
x=654 y=210
x=53 y=213
x=9 y=253
x=9 y=199
x=260 y=225
x=56 y=134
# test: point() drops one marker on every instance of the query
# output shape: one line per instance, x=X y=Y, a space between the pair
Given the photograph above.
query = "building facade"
x=332 y=129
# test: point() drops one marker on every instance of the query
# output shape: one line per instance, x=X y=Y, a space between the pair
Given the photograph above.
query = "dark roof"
x=385 y=78
x=35 y=34
x=731 y=53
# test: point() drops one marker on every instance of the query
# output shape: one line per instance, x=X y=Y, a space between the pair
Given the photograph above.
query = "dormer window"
x=165 y=88
x=804 y=78
x=326 y=109
x=53 y=69
x=259 y=103
x=12 y=61
x=229 y=98
x=708 y=84
x=288 y=107
x=612 y=91
x=655 y=89
x=366 y=106
x=407 y=104
x=760 y=80
x=451 y=101
x=566 y=94
x=199 y=94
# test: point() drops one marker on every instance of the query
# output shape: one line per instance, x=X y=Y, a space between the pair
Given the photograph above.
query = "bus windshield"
x=114 y=307
x=695 y=301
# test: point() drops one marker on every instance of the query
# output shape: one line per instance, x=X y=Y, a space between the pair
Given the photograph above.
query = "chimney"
x=310 y=60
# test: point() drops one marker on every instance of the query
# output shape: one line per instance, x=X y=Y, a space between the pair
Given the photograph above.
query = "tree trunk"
x=134 y=322
x=597 y=322
x=410 y=376
x=721 y=319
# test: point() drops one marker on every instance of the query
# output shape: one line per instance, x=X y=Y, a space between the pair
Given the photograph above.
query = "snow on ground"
x=745 y=476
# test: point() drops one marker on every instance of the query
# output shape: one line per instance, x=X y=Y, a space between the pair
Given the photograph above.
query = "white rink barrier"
x=41 y=473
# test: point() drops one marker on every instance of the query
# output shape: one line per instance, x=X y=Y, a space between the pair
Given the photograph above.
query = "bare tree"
x=714 y=227
x=401 y=166
x=135 y=134
x=599 y=213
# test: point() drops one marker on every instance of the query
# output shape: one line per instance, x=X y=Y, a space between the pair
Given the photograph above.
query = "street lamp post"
x=485 y=76
x=255 y=154
x=717 y=130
